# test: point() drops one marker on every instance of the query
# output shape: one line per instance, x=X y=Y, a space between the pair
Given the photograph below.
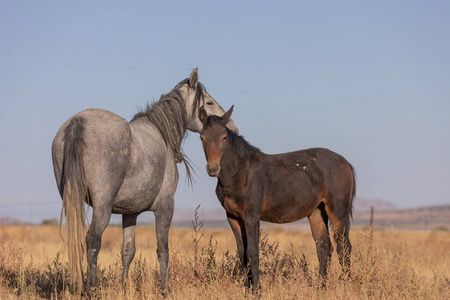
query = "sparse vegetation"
x=391 y=265
x=50 y=222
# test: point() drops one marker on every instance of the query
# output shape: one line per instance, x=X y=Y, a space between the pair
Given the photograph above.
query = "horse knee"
x=162 y=252
x=324 y=248
x=95 y=232
x=128 y=252
x=93 y=241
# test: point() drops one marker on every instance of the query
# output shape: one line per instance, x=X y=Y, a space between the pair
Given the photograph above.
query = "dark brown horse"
x=252 y=186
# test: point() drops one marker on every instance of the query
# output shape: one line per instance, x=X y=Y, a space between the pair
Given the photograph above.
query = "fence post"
x=371 y=216
x=369 y=250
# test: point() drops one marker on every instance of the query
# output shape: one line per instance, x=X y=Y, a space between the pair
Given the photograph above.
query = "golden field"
x=390 y=265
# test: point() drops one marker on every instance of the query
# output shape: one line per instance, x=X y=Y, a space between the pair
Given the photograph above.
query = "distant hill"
x=11 y=221
x=364 y=204
x=386 y=215
x=419 y=218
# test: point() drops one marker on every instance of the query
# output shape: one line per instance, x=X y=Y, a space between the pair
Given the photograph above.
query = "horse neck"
x=235 y=161
x=191 y=101
x=169 y=116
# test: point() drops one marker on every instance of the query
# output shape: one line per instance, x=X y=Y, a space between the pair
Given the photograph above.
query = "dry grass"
x=392 y=265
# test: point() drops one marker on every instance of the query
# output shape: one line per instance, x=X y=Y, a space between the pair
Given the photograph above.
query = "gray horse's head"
x=196 y=96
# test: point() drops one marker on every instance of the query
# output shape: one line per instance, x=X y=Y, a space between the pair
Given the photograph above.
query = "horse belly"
x=293 y=189
x=289 y=211
x=146 y=176
x=135 y=198
x=290 y=202
x=140 y=189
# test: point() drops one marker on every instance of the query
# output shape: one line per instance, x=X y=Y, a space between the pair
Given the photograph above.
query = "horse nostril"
x=213 y=171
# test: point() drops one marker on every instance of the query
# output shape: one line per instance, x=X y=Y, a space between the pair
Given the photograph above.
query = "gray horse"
x=124 y=168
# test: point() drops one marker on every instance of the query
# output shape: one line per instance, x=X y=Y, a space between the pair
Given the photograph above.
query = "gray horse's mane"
x=169 y=115
x=198 y=92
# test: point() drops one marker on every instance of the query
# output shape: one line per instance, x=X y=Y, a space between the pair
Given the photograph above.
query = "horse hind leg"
x=341 y=230
x=129 y=246
x=100 y=220
x=343 y=245
x=319 y=229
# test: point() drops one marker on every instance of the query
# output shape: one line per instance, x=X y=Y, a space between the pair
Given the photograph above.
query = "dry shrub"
x=11 y=263
x=197 y=270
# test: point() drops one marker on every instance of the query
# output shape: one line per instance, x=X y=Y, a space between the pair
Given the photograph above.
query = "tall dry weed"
x=198 y=270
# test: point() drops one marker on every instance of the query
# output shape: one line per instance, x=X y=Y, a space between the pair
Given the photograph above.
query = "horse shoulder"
x=150 y=173
x=231 y=198
x=148 y=150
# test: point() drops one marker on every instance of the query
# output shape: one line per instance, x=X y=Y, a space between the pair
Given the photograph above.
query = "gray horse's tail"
x=74 y=193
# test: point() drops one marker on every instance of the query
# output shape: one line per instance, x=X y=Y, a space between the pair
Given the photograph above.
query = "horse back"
x=318 y=166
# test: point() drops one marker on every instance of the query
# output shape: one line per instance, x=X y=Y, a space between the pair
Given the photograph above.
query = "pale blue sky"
x=370 y=81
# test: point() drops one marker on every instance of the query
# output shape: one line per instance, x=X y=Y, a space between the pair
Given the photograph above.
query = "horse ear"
x=193 y=80
x=202 y=114
x=226 y=116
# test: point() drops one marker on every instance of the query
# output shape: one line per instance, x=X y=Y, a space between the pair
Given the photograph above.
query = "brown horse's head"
x=214 y=139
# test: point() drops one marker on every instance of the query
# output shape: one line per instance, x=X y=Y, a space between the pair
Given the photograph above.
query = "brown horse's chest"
x=234 y=196
x=233 y=207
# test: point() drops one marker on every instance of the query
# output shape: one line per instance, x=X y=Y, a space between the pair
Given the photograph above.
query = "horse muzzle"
x=214 y=170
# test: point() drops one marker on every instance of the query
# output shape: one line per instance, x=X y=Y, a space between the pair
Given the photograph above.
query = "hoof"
x=165 y=293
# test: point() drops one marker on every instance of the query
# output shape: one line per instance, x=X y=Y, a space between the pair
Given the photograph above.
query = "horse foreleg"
x=319 y=228
x=237 y=226
x=100 y=220
x=129 y=247
x=163 y=218
x=252 y=225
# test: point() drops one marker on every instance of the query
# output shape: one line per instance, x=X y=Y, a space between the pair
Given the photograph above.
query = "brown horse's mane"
x=239 y=145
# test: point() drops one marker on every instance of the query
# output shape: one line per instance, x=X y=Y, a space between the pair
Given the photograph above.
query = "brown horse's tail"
x=352 y=197
x=74 y=193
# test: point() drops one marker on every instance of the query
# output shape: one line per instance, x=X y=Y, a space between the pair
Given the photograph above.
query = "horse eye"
x=209 y=103
x=201 y=138
x=224 y=138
